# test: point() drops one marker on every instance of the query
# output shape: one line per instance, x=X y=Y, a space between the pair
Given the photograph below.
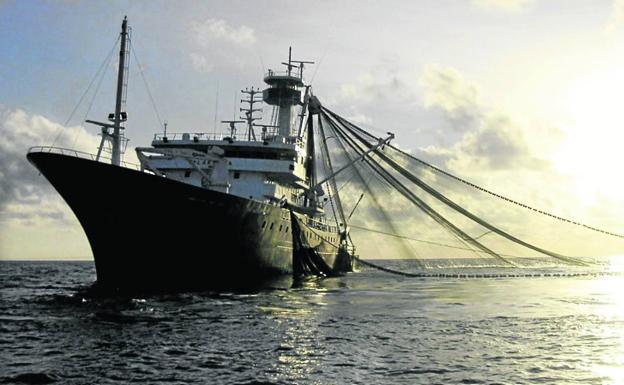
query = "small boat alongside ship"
x=206 y=210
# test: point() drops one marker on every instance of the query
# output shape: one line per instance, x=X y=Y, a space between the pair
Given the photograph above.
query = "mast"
x=121 y=77
x=310 y=161
x=116 y=139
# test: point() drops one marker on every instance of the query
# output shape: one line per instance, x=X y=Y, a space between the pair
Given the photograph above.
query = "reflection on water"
x=367 y=327
x=604 y=298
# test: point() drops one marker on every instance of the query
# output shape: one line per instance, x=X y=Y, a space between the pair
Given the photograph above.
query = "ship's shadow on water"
x=93 y=303
x=283 y=282
x=72 y=332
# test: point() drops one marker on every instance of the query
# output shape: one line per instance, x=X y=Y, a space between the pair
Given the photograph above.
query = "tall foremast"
x=121 y=81
x=116 y=138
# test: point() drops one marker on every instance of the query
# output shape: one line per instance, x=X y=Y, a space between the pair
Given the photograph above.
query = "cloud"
x=21 y=187
x=488 y=140
x=358 y=117
x=493 y=151
x=616 y=17
x=456 y=130
x=504 y=5
x=201 y=63
x=497 y=144
x=375 y=88
x=214 y=40
x=383 y=98
x=219 y=30
x=447 y=91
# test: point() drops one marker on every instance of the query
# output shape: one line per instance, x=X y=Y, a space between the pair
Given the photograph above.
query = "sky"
x=520 y=96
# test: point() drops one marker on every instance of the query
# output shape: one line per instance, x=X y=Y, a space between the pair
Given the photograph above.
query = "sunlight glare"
x=592 y=150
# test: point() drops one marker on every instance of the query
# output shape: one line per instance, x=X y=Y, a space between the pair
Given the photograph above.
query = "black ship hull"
x=152 y=233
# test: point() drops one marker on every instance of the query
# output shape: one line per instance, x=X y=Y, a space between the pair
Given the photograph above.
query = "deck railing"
x=293 y=74
x=321 y=225
x=190 y=136
x=269 y=136
x=80 y=154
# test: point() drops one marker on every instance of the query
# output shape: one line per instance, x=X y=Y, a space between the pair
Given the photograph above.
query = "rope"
x=343 y=143
x=442 y=198
x=332 y=182
x=391 y=271
x=408 y=194
x=512 y=201
x=424 y=241
x=95 y=93
x=483 y=189
x=149 y=92
x=95 y=76
x=486 y=275
x=345 y=183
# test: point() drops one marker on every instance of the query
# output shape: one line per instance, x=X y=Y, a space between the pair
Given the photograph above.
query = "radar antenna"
x=299 y=63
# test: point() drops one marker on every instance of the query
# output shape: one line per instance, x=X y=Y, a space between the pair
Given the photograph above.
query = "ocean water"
x=368 y=327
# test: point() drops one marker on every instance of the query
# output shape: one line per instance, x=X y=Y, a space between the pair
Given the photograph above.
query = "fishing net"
x=399 y=206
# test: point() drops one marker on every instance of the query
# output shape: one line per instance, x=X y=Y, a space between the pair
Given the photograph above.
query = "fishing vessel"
x=206 y=210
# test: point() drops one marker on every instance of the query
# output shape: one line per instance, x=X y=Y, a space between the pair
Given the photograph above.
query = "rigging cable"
x=407 y=248
x=419 y=203
x=149 y=92
x=442 y=198
x=422 y=205
x=332 y=181
x=482 y=189
x=95 y=76
x=424 y=241
x=95 y=93
x=330 y=200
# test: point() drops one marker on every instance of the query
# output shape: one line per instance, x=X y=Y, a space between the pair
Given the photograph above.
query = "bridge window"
x=236 y=175
x=271 y=227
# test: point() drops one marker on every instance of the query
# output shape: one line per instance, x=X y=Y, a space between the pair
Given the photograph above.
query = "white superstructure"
x=268 y=169
x=267 y=163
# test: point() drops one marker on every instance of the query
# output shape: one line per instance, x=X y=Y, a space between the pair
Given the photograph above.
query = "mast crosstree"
x=252 y=98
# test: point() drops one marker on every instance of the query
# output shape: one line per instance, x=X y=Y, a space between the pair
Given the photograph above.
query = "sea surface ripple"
x=368 y=327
